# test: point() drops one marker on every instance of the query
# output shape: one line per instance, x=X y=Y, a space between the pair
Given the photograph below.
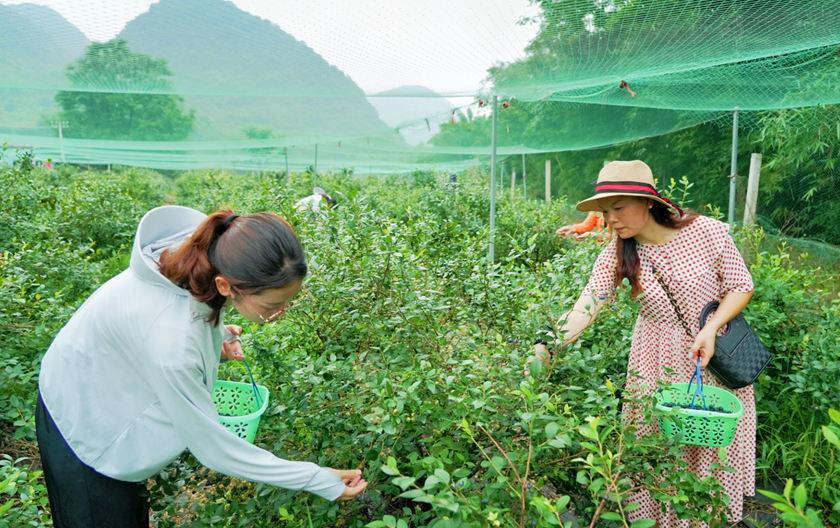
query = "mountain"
x=407 y=108
x=240 y=71
x=36 y=45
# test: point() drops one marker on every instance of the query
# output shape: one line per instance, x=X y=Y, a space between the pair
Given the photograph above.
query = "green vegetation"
x=403 y=354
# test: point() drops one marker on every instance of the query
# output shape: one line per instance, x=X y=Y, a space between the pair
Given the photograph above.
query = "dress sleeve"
x=601 y=284
x=731 y=268
x=177 y=380
x=588 y=224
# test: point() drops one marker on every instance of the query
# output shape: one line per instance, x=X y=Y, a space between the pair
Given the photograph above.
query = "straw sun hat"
x=625 y=178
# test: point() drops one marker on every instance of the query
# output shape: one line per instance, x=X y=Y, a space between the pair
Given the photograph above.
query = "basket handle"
x=230 y=337
x=698 y=391
x=253 y=384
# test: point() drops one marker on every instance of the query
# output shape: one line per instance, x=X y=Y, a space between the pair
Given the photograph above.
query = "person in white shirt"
x=126 y=385
x=315 y=201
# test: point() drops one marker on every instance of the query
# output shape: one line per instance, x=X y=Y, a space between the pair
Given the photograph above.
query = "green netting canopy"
x=180 y=84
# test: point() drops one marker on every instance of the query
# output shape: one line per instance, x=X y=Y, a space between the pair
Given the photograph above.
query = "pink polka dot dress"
x=700 y=264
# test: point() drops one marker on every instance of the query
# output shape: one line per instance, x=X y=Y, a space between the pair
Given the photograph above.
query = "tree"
x=122 y=95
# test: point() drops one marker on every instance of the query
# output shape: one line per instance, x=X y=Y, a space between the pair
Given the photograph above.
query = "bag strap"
x=673 y=302
x=698 y=375
x=707 y=311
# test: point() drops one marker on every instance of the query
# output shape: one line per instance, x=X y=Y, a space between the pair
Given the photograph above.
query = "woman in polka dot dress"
x=698 y=261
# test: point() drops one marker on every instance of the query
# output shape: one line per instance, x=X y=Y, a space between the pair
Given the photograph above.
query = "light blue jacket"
x=128 y=379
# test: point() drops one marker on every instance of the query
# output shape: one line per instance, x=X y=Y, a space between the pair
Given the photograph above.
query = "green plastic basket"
x=237 y=406
x=697 y=426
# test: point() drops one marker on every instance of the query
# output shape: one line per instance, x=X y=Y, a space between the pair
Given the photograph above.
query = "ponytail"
x=253 y=253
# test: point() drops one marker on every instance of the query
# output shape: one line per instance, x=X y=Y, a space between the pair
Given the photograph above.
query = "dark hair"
x=628 y=257
x=252 y=252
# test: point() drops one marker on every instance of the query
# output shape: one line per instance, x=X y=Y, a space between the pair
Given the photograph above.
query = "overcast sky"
x=445 y=45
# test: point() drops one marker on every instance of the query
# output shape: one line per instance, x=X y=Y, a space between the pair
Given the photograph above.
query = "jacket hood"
x=158 y=228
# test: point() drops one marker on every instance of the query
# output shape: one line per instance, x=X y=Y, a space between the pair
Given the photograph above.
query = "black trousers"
x=79 y=496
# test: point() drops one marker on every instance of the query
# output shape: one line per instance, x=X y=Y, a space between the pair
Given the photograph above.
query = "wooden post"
x=512 y=184
x=752 y=189
x=733 y=171
x=524 y=179
x=501 y=180
x=547 y=181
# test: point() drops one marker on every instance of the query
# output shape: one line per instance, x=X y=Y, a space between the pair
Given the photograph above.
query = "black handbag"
x=739 y=354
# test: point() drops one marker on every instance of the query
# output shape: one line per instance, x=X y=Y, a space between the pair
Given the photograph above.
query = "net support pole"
x=547 y=181
x=61 y=140
x=733 y=167
x=752 y=189
x=60 y=126
x=491 y=248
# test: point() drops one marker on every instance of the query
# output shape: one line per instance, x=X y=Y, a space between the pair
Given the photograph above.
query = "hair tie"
x=220 y=230
x=228 y=221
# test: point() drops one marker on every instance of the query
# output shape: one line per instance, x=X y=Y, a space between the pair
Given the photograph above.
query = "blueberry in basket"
x=710 y=408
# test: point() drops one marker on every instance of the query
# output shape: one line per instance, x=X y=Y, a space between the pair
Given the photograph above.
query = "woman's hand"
x=232 y=347
x=542 y=354
x=703 y=346
x=566 y=230
x=353 y=481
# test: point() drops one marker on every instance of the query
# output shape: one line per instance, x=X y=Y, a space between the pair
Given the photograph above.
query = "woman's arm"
x=731 y=305
x=587 y=225
x=575 y=321
x=571 y=325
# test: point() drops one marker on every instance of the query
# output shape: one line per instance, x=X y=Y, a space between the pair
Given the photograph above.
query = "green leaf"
x=431 y=482
x=413 y=494
x=403 y=482
x=551 y=429
x=643 y=523
x=800 y=497
x=461 y=473
x=783 y=507
x=788 y=488
x=588 y=432
x=611 y=516
x=792 y=518
x=771 y=495
x=442 y=475
x=834 y=414
x=830 y=436
x=388 y=470
x=562 y=502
